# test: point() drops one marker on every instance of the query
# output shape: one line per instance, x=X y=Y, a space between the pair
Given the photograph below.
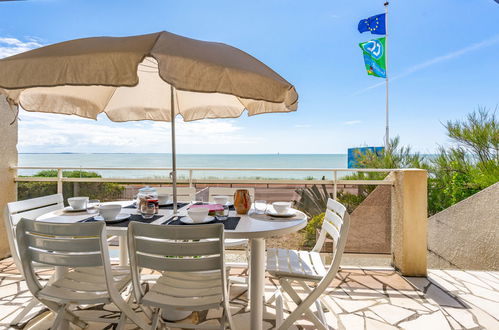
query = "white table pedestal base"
x=257 y=282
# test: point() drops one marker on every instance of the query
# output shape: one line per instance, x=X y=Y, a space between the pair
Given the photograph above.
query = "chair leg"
x=279 y=309
x=59 y=320
x=228 y=315
x=121 y=322
x=294 y=315
x=32 y=304
x=318 y=303
x=155 y=319
x=320 y=312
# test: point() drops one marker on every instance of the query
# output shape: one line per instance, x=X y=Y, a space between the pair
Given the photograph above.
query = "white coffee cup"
x=281 y=207
x=221 y=199
x=163 y=199
x=109 y=211
x=78 y=203
x=198 y=214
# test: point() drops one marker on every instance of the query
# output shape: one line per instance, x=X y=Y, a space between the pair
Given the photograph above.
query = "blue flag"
x=375 y=24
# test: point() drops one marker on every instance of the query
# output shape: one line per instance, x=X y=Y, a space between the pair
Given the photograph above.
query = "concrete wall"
x=370 y=223
x=466 y=235
x=8 y=157
x=409 y=221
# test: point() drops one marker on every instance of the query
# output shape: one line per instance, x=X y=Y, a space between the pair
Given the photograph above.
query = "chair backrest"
x=184 y=194
x=175 y=249
x=61 y=244
x=336 y=224
x=226 y=191
x=332 y=224
x=30 y=209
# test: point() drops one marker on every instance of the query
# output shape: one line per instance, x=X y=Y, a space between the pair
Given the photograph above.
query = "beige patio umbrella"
x=147 y=77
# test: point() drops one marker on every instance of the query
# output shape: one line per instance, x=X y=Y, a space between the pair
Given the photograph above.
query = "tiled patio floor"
x=362 y=298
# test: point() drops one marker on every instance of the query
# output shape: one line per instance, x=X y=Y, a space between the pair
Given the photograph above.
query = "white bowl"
x=109 y=211
x=198 y=214
x=163 y=199
x=78 y=203
x=221 y=199
x=281 y=207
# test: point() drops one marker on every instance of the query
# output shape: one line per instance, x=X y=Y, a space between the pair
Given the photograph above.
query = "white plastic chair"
x=290 y=266
x=184 y=194
x=191 y=262
x=82 y=247
x=30 y=208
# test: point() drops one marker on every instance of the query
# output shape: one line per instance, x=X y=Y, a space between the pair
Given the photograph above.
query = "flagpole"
x=387 y=129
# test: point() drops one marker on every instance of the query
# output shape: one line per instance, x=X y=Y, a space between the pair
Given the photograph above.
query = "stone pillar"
x=8 y=158
x=409 y=221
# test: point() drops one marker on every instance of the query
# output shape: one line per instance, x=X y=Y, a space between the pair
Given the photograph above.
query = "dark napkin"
x=124 y=223
x=167 y=207
x=229 y=224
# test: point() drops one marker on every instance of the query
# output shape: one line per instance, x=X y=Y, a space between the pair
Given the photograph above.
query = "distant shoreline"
x=178 y=154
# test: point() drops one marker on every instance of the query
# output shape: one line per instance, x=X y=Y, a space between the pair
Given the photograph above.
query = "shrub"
x=469 y=165
x=311 y=229
x=94 y=190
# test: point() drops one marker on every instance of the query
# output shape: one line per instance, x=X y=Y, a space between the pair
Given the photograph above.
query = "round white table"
x=256 y=228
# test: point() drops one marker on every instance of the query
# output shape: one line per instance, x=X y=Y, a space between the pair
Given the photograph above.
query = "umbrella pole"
x=174 y=155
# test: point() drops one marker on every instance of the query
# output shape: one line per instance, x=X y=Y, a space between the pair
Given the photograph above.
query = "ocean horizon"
x=289 y=161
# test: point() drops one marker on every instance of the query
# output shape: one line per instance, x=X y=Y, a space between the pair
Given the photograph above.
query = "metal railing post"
x=190 y=178
x=335 y=184
x=59 y=180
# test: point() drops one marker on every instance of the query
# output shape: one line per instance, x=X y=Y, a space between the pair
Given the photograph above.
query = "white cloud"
x=40 y=132
x=12 y=46
x=436 y=60
x=352 y=122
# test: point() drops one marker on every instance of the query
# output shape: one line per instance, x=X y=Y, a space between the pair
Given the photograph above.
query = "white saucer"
x=119 y=217
x=189 y=221
x=70 y=209
x=166 y=204
x=270 y=211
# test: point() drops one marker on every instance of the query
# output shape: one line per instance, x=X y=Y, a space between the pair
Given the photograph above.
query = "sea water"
x=289 y=161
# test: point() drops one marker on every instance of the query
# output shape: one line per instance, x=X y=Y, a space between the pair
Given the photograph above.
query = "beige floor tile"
x=479 y=291
x=462 y=316
x=490 y=307
x=351 y=321
x=242 y=322
x=369 y=314
x=351 y=306
x=378 y=325
x=464 y=276
x=391 y=314
x=407 y=302
x=484 y=319
x=434 y=321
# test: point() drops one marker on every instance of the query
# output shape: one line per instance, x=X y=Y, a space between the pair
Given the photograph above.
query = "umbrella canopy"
x=148 y=77
x=130 y=78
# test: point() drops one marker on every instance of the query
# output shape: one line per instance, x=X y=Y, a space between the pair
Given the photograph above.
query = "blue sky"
x=443 y=60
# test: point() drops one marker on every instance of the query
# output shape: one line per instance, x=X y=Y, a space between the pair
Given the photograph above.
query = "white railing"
x=335 y=181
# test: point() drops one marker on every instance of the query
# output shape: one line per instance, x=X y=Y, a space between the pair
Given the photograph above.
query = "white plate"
x=270 y=211
x=70 y=209
x=119 y=217
x=189 y=221
x=166 y=204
